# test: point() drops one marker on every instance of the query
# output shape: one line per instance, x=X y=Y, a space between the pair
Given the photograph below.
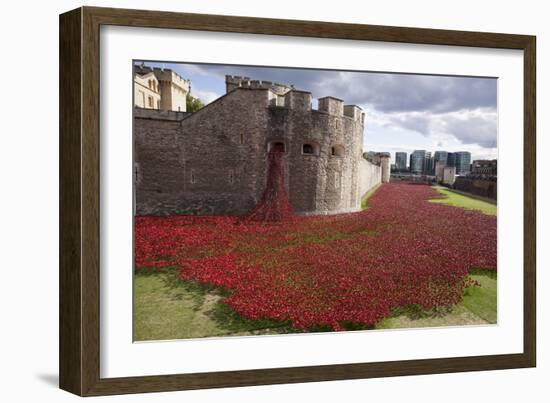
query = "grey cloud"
x=413 y=102
x=415 y=93
x=418 y=123
x=474 y=130
x=381 y=91
x=470 y=128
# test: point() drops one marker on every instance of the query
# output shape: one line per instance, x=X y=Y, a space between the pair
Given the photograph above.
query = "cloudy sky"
x=404 y=112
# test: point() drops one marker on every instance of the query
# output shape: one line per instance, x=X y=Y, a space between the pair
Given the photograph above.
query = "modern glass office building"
x=417 y=161
x=428 y=164
x=401 y=161
x=440 y=156
x=462 y=161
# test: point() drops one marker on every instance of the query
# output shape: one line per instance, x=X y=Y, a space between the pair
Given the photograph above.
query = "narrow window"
x=308 y=149
x=231 y=176
x=337 y=151
x=276 y=146
x=193 y=179
x=242 y=138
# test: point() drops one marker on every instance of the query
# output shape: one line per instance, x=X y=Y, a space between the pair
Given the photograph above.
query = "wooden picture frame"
x=79 y=346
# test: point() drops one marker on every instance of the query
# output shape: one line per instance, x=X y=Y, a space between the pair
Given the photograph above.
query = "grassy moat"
x=168 y=307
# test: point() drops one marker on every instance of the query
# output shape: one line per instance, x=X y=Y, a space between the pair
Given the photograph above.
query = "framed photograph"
x=248 y=201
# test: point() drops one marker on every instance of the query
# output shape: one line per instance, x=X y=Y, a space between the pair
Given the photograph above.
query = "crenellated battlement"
x=335 y=106
x=163 y=74
x=298 y=100
x=355 y=112
x=331 y=105
x=214 y=160
x=232 y=82
x=287 y=96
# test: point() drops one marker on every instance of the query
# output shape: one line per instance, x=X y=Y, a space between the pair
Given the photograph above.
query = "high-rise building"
x=440 y=156
x=462 y=162
x=417 y=161
x=401 y=161
x=428 y=164
x=451 y=157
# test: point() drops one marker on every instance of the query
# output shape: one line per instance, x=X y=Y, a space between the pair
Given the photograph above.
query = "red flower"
x=327 y=270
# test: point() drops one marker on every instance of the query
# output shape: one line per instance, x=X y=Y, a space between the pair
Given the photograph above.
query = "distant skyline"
x=404 y=112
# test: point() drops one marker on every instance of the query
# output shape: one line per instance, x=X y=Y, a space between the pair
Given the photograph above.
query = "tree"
x=193 y=104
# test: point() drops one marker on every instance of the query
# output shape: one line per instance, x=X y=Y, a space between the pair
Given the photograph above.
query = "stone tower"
x=214 y=161
x=385 y=164
x=173 y=88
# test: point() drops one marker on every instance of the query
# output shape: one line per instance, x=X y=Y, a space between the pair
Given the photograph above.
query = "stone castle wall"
x=215 y=158
x=480 y=187
x=370 y=176
x=214 y=161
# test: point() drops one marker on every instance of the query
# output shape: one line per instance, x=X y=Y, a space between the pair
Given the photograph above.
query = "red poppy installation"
x=326 y=270
x=274 y=204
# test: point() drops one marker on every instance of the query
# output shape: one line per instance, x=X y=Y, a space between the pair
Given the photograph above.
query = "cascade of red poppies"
x=329 y=270
x=274 y=204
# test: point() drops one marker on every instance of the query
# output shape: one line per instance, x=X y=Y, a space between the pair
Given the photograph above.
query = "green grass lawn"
x=482 y=301
x=454 y=199
x=167 y=308
x=478 y=307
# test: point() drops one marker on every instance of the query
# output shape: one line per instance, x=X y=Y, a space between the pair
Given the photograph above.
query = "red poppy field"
x=329 y=271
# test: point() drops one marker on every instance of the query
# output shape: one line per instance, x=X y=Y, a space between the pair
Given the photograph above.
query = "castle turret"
x=332 y=106
x=353 y=111
x=298 y=100
x=385 y=166
x=173 y=88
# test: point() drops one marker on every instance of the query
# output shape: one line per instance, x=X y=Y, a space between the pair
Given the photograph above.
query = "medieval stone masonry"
x=156 y=88
x=214 y=161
